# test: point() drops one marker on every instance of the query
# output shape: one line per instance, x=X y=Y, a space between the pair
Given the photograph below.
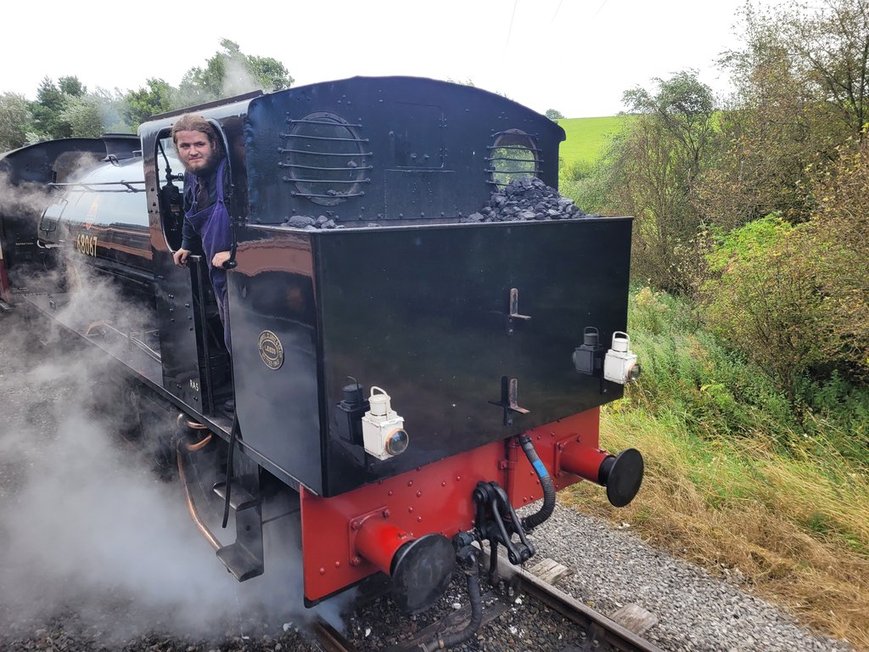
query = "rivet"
x=410 y=510
x=410 y=483
x=418 y=494
x=355 y=561
x=443 y=483
x=419 y=519
x=322 y=571
x=337 y=564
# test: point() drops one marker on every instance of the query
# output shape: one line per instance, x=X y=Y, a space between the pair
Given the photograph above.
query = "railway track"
x=595 y=631
x=602 y=633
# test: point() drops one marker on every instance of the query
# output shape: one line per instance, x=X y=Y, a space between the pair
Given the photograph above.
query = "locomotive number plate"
x=271 y=350
x=85 y=244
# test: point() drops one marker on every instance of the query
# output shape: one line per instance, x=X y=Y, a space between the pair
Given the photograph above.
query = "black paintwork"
x=421 y=311
x=422 y=148
x=419 y=304
x=30 y=170
x=102 y=217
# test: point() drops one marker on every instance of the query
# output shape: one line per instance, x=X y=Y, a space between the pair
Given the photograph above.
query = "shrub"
x=765 y=300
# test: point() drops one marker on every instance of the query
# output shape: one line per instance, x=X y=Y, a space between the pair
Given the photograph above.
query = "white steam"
x=238 y=78
x=85 y=524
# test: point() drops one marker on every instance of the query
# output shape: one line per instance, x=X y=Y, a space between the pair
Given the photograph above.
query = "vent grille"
x=513 y=155
x=325 y=159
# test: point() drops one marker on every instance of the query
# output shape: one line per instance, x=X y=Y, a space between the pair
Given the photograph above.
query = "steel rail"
x=601 y=631
x=330 y=639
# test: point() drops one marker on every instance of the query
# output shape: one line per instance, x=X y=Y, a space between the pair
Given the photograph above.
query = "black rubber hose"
x=476 y=620
x=545 y=511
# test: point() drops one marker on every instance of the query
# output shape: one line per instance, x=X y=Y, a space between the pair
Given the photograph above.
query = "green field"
x=587 y=138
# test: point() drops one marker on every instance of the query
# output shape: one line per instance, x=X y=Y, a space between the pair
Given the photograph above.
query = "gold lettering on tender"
x=86 y=244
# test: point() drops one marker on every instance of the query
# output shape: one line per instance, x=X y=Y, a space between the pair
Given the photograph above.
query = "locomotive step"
x=240 y=562
x=239 y=499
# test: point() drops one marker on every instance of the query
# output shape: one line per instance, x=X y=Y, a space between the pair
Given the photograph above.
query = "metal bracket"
x=513 y=311
x=510 y=399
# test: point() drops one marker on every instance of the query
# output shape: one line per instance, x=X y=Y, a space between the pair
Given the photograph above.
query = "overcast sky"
x=576 y=56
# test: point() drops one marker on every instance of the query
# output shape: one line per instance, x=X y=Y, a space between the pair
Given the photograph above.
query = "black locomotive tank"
x=405 y=327
x=101 y=220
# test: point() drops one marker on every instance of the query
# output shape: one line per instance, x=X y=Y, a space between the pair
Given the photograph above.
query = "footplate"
x=244 y=558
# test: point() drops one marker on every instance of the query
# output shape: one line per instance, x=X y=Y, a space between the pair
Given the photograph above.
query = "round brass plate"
x=271 y=350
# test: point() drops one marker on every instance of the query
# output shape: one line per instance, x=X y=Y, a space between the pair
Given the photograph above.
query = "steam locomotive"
x=405 y=374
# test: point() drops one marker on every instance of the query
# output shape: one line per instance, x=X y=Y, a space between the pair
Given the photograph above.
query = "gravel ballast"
x=613 y=567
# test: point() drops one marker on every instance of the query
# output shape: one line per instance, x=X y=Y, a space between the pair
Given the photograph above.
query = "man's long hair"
x=195 y=122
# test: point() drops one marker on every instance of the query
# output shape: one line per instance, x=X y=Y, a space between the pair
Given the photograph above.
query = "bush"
x=767 y=299
x=687 y=370
x=584 y=183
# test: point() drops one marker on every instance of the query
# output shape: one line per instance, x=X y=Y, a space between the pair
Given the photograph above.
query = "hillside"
x=587 y=138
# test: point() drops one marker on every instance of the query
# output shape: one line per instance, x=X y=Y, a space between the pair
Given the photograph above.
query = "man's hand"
x=219 y=258
x=180 y=257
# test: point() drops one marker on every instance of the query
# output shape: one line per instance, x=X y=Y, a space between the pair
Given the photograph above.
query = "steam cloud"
x=84 y=523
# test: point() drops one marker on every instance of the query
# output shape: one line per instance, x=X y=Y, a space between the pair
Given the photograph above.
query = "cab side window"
x=170 y=180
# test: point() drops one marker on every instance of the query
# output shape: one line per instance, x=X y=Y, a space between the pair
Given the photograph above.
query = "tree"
x=231 y=72
x=154 y=98
x=683 y=107
x=15 y=117
x=830 y=47
x=836 y=240
x=270 y=73
x=554 y=115
x=83 y=116
x=51 y=101
x=802 y=79
x=654 y=170
x=71 y=87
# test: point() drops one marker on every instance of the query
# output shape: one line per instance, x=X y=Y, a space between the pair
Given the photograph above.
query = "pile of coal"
x=526 y=199
x=311 y=223
x=520 y=200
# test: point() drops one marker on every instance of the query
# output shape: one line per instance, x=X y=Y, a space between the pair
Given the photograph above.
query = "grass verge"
x=735 y=485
